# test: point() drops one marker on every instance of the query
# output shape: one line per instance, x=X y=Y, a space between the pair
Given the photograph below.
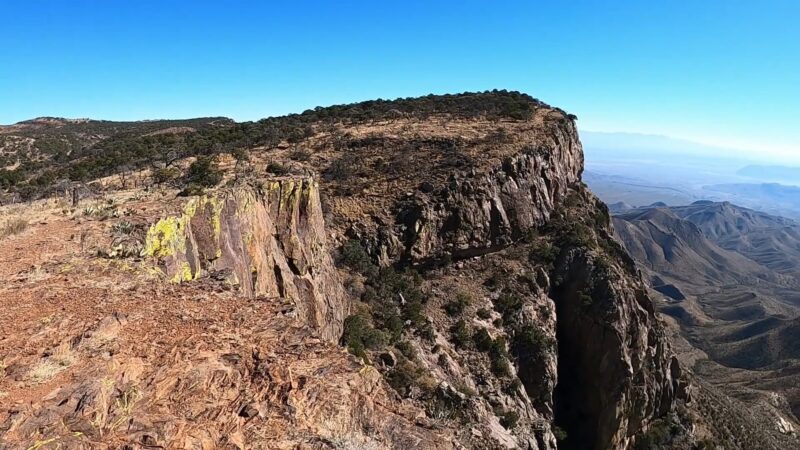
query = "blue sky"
x=724 y=72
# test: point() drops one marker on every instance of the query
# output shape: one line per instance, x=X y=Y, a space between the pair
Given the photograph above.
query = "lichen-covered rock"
x=268 y=241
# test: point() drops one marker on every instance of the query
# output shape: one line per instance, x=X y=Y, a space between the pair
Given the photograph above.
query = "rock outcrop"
x=268 y=241
x=478 y=211
x=616 y=370
x=609 y=371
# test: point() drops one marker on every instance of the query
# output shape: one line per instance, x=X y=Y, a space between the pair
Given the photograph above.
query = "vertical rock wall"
x=269 y=241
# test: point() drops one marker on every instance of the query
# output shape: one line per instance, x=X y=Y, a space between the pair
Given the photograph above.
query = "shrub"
x=499 y=358
x=509 y=419
x=204 y=172
x=531 y=341
x=13 y=226
x=406 y=349
x=165 y=175
x=341 y=169
x=507 y=303
x=459 y=334
x=484 y=314
x=359 y=335
x=403 y=377
x=277 y=168
x=513 y=387
x=457 y=306
x=353 y=255
x=299 y=155
x=544 y=253
x=483 y=341
x=124 y=227
x=427 y=332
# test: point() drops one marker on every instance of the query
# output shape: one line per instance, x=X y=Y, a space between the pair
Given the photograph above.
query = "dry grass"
x=50 y=367
x=12 y=226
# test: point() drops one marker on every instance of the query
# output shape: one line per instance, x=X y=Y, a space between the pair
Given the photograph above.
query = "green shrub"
x=165 y=175
x=544 y=253
x=353 y=255
x=507 y=303
x=531 y=341
x=359 y=335
x=483 y=341
x=484 y=314
x=457 y=306
x=204 y=172
x=513 y=387
x=277 y=168
x=406 y=349
x=509 y=419
x=403 y=376
x=299 y=155
x=427 y=332
x=499 y=358
x=459 y=334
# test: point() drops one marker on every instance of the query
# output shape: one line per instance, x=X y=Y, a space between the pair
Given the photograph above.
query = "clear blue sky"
x=717 y=71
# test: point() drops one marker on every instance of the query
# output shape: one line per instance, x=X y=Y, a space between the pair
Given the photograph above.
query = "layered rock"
x=479 y=211
x=615 y=371
x=268 y=241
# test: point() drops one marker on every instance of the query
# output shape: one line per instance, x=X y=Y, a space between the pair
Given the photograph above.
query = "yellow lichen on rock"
x=166 y=237
x=184 y=273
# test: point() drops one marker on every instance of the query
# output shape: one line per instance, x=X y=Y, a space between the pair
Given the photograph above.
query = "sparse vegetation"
x=459 y=334
x=12 y=226
x=299 y=155
x=483 y=313
x=457 y=306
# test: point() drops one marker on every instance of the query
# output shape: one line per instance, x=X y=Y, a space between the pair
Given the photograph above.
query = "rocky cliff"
x=456 y=255
x=594 y=372
x=267 y=241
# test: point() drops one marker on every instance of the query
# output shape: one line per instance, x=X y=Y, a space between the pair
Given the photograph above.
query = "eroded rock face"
x=610 y=360
x=478 y=212
x=269 y=241
x=616 y=371
x=602 y=371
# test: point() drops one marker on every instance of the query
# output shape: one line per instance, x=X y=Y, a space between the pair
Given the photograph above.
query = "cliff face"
x=598 y=371
x=616 y=370
x=478 y=211
x=268 y=241
x=587 y=358
x=458 y=258
x=599 y=367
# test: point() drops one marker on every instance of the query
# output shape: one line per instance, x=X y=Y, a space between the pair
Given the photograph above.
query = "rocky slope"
x=734 y=308
x=457 y=256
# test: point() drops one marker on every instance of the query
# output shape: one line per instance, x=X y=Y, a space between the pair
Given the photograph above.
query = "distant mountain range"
x=729 y=277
